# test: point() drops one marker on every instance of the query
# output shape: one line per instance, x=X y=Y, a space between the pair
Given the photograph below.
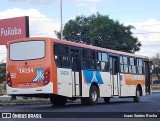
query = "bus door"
x=147 y=77
x=114 y=75
x=76 y=72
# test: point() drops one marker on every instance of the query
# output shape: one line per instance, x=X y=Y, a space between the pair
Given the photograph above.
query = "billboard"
x=13 y=28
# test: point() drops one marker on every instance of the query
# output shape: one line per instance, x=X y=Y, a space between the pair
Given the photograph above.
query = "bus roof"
x=79 y=45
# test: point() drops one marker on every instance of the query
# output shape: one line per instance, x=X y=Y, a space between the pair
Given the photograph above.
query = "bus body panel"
x=32 y=75
x=129 y=83
x=105 y=89
x=64 y=82
x=101 y=78
x=29 y=75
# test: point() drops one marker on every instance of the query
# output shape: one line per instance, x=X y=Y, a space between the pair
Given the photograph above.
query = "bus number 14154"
x=26 y=70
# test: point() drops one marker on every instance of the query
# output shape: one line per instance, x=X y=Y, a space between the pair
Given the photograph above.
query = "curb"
x=5 y=98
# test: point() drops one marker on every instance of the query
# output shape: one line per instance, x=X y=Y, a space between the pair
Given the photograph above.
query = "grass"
x=155 y=87
x=25 y=101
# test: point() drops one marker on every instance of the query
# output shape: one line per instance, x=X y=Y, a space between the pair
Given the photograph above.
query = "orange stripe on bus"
x=131 y=79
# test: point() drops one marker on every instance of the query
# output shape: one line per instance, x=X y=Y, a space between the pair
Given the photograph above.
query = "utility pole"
x=61 y=19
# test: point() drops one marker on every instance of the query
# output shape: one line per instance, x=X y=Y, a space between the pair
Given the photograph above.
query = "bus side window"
x=61 y=55
x=99 y=59
x=89 y=60
x=140 y=66
x=102 y=61
x=121 y=64
x=56 y=53
x=132 y=65
x=124 y=64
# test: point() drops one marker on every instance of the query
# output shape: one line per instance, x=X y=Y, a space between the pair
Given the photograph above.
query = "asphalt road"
x=118 y=107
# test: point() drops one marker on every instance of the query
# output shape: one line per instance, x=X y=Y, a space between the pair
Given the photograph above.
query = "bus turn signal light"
x=9 y=82
x=46 y=77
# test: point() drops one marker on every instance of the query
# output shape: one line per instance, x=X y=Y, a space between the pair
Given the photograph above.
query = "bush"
x=2 y=72
x=2 y=88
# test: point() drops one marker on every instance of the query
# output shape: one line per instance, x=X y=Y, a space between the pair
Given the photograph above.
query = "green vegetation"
x=2 y=72
x=156 y=70
x=2 y=89
x=156 y=87
x=25 y=101
x=2 y=77
x=99 y=30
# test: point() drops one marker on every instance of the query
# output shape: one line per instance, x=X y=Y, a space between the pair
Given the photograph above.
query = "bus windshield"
x=27 y=50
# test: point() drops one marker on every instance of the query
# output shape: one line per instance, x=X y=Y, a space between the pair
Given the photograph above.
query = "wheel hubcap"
x=138 y=94
x=94 y=96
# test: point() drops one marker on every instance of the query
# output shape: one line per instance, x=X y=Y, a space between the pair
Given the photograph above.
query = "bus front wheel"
x=138 y=94
x=58 y=100
x=93 y=95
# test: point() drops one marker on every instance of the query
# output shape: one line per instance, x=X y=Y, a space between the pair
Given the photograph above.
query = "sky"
x=44 y=17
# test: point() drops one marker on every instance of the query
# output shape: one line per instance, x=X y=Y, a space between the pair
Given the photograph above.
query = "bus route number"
x=26 y=70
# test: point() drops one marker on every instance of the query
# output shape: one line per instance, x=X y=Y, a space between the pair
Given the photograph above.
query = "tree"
x=156 y=64
x=2 y=71
x=100 y=30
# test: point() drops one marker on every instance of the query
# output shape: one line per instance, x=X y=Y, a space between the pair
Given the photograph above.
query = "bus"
x=62 y=70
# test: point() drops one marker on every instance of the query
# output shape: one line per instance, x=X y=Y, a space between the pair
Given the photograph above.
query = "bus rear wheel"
x=138 y=94
x=93 y=95
x=58 y=100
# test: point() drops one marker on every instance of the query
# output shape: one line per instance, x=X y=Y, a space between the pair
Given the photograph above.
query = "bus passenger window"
x=130 y=69
x=124 y=64
x=134 y=69
x=104 y=57
x=89 y=60
x=99 y=55
x=140 y=70
x=98 y=65
x=126 y=68
x=61 y=55
x=99 y=58
x=121 y=59
x=140 y=66
x=122 y=69
x=104 y=63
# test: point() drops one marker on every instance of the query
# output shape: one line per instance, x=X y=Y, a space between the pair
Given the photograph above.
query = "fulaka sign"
x=13 y=28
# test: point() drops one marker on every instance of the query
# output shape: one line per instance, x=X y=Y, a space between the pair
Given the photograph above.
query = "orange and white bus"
x=61 y=70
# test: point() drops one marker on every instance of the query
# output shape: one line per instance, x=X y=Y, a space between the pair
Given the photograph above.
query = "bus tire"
x=57 y=100
x=106 y=99
x=138 y=94
x=93 y=95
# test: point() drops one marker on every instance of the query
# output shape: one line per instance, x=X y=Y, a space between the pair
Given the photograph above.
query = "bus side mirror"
x=151 y=67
